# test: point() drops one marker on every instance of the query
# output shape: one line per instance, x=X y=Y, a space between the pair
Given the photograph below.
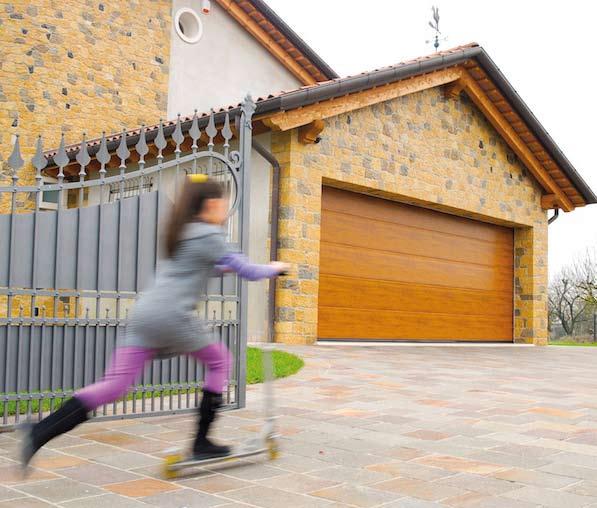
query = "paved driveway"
x=412 y=427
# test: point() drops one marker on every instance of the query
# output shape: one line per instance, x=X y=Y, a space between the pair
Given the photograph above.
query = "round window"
x=188 y=25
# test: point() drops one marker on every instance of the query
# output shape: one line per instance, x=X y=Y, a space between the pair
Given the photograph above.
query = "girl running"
x=163 y=322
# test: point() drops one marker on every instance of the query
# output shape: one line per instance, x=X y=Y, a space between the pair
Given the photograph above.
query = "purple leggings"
x=127 y=365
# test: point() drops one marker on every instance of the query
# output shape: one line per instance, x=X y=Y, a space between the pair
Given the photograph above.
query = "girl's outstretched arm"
x=233 y=262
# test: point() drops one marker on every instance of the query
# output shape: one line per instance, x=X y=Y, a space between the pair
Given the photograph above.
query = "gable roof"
x=279 y=39
x=481 y=72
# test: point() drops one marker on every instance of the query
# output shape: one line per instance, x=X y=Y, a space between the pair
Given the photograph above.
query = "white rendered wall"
x=220 y=69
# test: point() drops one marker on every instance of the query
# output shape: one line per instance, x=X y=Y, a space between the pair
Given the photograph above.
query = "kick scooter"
x=266 y=443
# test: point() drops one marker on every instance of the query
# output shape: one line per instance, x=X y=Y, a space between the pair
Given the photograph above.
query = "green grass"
x=285 y=364
x=569 y=343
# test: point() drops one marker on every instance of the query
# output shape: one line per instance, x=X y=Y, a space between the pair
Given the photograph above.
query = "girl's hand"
x=280 y=267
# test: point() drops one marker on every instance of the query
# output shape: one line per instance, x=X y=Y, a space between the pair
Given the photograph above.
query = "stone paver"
x=408 y=427
x=356 y=495
x=56 y=491
x=214 y=484
x=273 y=498
x=551 y=498
x=185 y=497
x=105 y=501
x=142 y=488
x=27 y=502
x=420 y=489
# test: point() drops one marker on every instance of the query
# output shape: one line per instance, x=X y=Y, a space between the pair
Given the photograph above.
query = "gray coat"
x=164 y=317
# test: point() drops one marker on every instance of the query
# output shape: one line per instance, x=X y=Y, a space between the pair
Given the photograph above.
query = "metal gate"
x=69 y=274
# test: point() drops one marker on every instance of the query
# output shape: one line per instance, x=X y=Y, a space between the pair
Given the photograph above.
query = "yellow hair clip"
x=198 y=178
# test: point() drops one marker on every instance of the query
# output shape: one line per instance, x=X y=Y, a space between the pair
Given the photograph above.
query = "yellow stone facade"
x=74 y=66
x=77 y=66
x=421 y=149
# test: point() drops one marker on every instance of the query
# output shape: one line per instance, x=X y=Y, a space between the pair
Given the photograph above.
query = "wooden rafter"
x=523 y=152
x=452 y=90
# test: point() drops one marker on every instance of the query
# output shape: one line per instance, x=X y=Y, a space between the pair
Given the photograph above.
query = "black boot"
x=70 y=414
x=203 y=447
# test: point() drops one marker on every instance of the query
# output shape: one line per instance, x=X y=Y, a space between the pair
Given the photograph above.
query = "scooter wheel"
x=273 y=450
x=167 y=469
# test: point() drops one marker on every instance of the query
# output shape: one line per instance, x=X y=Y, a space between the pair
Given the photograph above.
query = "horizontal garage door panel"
x=395 y=271
x=345 y=229
x=381 y=295
x=394 y=266
x=408 y=215
x=336 y=323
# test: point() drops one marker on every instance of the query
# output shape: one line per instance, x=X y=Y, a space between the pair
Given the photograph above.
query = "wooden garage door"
x=394 y=271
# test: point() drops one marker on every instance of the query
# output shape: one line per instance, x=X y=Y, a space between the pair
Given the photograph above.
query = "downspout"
x=269 y=157
x=554 y=217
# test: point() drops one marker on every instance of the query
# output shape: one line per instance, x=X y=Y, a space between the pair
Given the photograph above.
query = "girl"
x=163 y=322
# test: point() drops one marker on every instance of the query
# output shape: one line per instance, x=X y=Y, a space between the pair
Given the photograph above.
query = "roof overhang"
x=465 y=69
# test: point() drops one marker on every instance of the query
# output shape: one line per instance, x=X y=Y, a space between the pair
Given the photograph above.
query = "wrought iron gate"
x=69 y=275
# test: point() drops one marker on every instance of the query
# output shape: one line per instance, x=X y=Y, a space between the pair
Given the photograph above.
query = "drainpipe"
x=269 y=157
x=554 y=217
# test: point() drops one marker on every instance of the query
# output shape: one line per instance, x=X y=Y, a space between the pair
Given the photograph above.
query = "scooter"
x=265 y=443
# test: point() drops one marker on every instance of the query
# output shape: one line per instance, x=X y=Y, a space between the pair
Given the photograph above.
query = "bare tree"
x=586 y=269
x=574 y=292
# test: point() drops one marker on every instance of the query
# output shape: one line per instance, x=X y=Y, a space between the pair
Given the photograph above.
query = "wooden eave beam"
x=452 y=90
x=286 y=120
x=309 y=134
x=267 y=41
x=523 y=152
x=549 y=201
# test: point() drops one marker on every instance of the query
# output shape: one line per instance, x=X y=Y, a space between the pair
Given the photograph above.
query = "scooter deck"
x=175 y=462
x=190 y=462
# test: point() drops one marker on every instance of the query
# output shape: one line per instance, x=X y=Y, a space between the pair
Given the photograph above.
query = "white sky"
x=544 y=48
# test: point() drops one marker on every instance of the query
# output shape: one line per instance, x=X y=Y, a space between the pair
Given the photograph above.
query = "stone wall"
x=420 y=149
x=78 y=66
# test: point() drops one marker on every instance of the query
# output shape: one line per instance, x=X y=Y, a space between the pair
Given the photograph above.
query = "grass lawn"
x=579 y=344
x=285 y=364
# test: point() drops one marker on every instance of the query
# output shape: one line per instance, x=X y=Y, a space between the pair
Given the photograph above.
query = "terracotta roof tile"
x=133 y=132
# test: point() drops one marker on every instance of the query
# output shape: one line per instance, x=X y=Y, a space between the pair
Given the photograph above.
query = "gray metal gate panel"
x=88 y=257
x=66 y=275
x=4 y=248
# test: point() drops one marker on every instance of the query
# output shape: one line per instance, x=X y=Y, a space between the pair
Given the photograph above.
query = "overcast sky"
x=545 y=49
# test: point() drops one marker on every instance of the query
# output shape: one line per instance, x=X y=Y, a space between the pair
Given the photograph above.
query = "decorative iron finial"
x=226 y=130
x=61 y=158
x=83 y=157
x=160 y=140
x=211 y=130
x=15 y=161
x=194 y=131
x=122 y=151
x=141 y=146
x=248 y=105
x=103 y=156
x=177 y=135
x=39 y=161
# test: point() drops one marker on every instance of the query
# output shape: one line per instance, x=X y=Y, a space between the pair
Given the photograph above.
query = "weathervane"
x=435 y=25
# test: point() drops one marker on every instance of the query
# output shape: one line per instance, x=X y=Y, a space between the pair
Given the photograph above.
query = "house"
x=413 y=199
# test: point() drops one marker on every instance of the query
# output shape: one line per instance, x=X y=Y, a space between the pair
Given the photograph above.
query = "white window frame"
x=188 y=13
x=49 y=205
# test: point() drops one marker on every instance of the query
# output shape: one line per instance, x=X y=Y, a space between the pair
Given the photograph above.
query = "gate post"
x=246 y=131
